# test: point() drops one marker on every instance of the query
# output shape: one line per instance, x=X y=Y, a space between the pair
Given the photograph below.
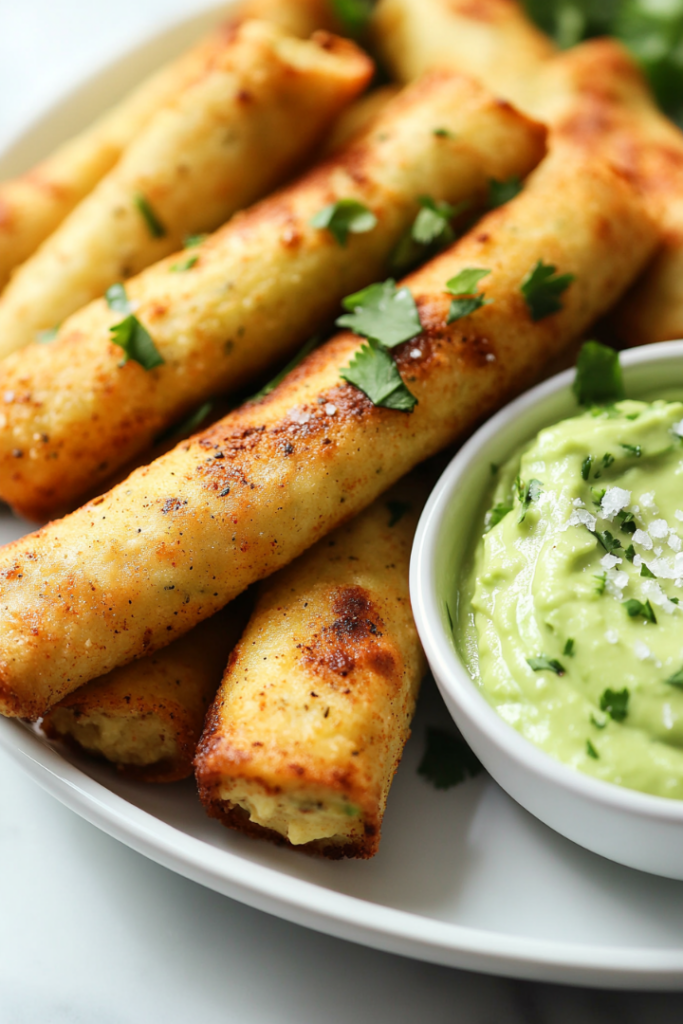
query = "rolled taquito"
x=147 y=717
x=126 y=573
x=72 y=411
x=243 y=128
x=34 y=204
x=307 y=730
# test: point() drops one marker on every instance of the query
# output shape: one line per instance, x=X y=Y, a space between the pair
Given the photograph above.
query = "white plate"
x=464 y=878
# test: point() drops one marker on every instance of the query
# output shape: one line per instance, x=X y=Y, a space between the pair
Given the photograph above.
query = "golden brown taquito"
x=244 y=498
x=307 y=730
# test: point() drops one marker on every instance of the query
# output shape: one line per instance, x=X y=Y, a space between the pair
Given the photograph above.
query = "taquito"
x=177 y=540
x=34 y=204
x=147 y=717
x=307 y=730
x=243 y=128
x=71 y=412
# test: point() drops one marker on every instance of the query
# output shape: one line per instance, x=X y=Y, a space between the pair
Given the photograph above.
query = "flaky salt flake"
x=648 y=500
x=678 y=428
x=644 y=539
x=415 y=353
x=578 y=503
x=654 y=593
x=611 y=636
x=299 y=415
x=658 y=529
x=679 y=515
x=637 y=561
x=641 y=651
x=614 y=500
x=582 y=517
x=609 y=561
x=330 y=409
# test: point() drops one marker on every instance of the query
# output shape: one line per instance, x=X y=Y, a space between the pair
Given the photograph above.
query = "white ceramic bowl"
x=632 y=828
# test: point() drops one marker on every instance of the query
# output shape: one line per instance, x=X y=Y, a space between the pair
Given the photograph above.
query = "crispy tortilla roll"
x=307 y=730
x=33 y=205
x=357 y=118
x=244 y=498
x=492 y=40
x=239 y=131
x=147 y=717
x=70 y=412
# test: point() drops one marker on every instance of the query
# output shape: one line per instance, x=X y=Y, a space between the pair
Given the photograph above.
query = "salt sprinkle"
x=299 y=415
x=644 y=539
x=611 y=636
x=490 y=358
x=8 y=397
x=415 y=353
x=679 y=515
x=614 y=500
x=637 y=561
x=641 y=650
x=581 y=517
x=609 y=561
x=330 y=409
x=678 y=428
x=658 y=529
x=648 y=499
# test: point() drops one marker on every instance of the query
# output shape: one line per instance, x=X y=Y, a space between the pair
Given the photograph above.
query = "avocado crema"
x=571 y=617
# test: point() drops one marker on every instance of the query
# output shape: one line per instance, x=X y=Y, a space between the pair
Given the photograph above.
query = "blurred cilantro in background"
x=651 y=29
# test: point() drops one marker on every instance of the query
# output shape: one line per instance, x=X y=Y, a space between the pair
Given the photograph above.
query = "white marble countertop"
x=92 y=932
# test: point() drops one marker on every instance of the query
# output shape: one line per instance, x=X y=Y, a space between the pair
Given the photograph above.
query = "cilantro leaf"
x=443 y=133
x=608 y=542
x=346 y=216
x=397 y=510
x=501 y=192
x=630 y=552
x=464 y=307
x=154 y=225
x=465 y=284
x=136 y=343
x=382 y=313
x=544 y=664
x=542 y=288
x=117 y=299
x=676 y=679
x=46 y=336
x=498 y=512
x=447 y=760
x=186 y=264
x=615 y=703
x=591 y=751
x=374 y=372
x=291 y=365
x=627 y=522
x=586 y=467
x=529 y=494
x=433 y=222
x=569 y=648
x=598 y=380
x=632 y=449
x=635 y=608
x=644 y=571
x=191 y=241
x=600 y=586
x=354 y=15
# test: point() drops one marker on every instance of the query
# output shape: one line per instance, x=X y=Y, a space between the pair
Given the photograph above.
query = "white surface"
x=635 y=829
x=94 y=932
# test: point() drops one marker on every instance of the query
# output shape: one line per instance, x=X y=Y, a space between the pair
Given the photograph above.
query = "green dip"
x=595 y=520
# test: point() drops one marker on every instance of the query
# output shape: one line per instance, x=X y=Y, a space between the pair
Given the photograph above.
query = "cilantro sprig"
x=343 y=218
x=382 y=312
x=599 y=380
x=528 y=494
x=634 y=608
x=542 y=288
x=615 y=703
x=501 y=192
x=676 y=679
x=431 y=231
x=447 y=760
x=129 y=333
x=464 y=287
x=545 y=664
x=374 y=372
x=151 y=219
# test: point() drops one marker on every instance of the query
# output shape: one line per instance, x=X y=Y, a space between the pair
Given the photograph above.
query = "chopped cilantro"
x=191 y=241
x=544 y=664
x=591 y=751
x=494 y=468
x=433 y=222
x=447 y=760
x=374 y=372
x=644 y=571
x=443 y=133
x=383 y=314
x=676 y=679
x=346 y=216
x=608 y=542
x=129 y=333
x=598 y=378
x=569 y=648
x=615 y=703
x=542 y=288
x=465 y=283
x=501 y=192
x=634 y=607
x=627 y=521
x=630 y=553
x=497 y=513
x=607 y=460
x=601 y=583
x=598 y=493
x=46 y=336
x=464 y=307
x=154 y=225
x=450 y=617
x=187 y=264
x=291 y=365
x=632 y=449
x=632 y=415
x=354 y=15
x=528 y=494
x=586 y=467
x=397 y=510
x=675 y=600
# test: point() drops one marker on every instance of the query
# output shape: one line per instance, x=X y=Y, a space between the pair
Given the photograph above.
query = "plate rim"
x=304 y=902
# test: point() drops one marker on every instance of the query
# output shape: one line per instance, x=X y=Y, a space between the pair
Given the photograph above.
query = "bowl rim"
x=451 y=673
